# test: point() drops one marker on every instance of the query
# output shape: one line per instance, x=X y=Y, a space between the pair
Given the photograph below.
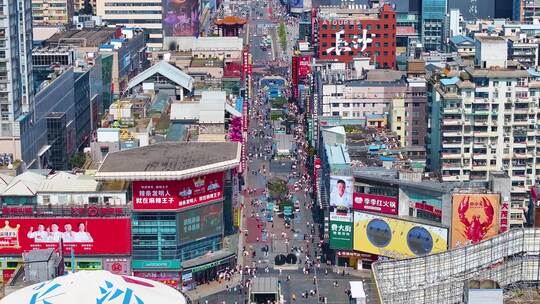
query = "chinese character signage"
x=475 y=217
x=346 y=45
x=84 y=235
x=173 y=195
x=341 y=234
x=375 y=203
x=504 y=215
x=200 y=222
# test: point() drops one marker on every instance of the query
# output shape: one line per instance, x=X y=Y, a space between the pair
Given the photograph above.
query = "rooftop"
x=90 y=37
x=169 y=161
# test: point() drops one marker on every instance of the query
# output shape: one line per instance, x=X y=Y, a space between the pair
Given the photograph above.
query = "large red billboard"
x=375 y=203
x=174 y=195
x=84 y=235
x=304 y=66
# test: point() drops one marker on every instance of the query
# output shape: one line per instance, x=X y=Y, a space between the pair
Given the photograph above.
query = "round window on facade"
x=419 y=241
x=379 y=233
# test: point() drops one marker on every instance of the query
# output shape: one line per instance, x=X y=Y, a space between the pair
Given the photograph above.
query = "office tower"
x=16 y=85
x=52 y=12
x=433 y=19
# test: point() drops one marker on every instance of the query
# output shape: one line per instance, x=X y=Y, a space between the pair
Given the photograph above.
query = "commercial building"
x=144 y=14
x=184 y=198
x=41 y=210
x=16 y=89
x=484 y=119
x=343 y=33
x=52 y=12
x=433 y=20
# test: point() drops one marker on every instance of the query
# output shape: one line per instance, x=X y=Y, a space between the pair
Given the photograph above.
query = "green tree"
x=282 y=34
x=77 y=160
x=277 y=189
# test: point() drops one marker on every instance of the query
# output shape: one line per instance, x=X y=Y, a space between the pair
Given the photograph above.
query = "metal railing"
x=510 y=258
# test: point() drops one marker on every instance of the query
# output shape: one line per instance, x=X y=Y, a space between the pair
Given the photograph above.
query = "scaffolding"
x=512 y=259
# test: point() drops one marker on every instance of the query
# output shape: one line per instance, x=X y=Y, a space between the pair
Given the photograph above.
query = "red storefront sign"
x=426 y=207
x=375 y=203
x=84 y=235
x=168 y=278
x=119 y=266
x=504 y=217
x=304 y=66
x=173 y=195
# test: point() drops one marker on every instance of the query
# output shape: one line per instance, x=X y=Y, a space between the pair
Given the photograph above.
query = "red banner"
x=84 y=235
x=304 y=66
x=174 y=195
x=375 y=203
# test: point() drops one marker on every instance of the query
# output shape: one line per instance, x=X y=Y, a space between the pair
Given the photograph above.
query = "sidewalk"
x=205 y=290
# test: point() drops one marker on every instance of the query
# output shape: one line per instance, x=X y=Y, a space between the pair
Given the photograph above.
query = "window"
x=335 y=113
x=46 y=199
x=346 y=105
x=335 y=104
x=508 y=94
x=386 y=26
x=508 y=83
x=325 y=26
x=378 y=27
x=495 y=83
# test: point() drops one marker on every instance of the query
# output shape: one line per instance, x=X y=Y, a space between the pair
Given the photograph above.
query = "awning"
x=208 y=260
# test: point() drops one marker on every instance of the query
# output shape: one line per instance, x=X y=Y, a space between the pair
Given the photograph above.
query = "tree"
x=87 y=8
x=77 y=160
x=277 y=189
x=282 y=33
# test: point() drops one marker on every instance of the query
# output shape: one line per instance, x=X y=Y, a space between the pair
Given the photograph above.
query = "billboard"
x=173 y=195
x=200 y=222
x=84 y=235
x=341 y=192
x=341 y=233
x=475 y=217
x=304 y=65
x=296 y=3
x=180 y=18
x=396 y=238
x=375 y=203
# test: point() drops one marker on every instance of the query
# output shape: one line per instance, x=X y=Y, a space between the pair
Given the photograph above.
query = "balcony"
x=451 y=155
x=451 y=133
x=451 y=178
x=452 y=110
x=452 y=122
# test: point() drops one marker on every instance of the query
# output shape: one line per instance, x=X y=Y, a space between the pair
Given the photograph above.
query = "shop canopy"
x=98 y=286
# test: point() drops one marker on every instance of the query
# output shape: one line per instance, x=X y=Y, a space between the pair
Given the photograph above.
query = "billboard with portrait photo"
x=84 y=235
x=341 y=192
x=180 y=18
x=475 y=217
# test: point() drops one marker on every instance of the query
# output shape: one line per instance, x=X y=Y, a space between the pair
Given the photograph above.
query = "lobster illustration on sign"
x=475 y=230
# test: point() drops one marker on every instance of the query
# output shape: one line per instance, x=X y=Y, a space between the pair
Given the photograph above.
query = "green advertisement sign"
x=341 y=234
x=168 y=264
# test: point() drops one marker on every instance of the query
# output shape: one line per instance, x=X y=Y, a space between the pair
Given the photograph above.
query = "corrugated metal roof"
x=67 y=182
x=165 y=69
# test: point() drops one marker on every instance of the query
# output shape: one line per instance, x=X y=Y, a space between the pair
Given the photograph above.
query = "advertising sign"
x=341 y=192
x=341 y=234
x=304 y=66
x=200 y=222
x=504 y=214
x=375 y=203
x=396 y=238
x=171 y=279
x=180 y=18
x=121 y=266
x=296 y=3
x=475 y=217
x=173 y=195
x=84 y=235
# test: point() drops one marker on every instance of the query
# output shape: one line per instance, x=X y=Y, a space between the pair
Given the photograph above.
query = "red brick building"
x=344 y=33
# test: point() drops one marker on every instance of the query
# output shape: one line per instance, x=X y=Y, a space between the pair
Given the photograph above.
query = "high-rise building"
x=144 y=14
x=504 y=9
x=52 y=12
x=528 y=10
x=345 y=32
x=433 y=19
x=483 y=119
x=16 y=85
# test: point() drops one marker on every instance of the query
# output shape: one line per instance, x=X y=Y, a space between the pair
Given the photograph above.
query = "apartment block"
x=144 y=14
x=52 y=12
